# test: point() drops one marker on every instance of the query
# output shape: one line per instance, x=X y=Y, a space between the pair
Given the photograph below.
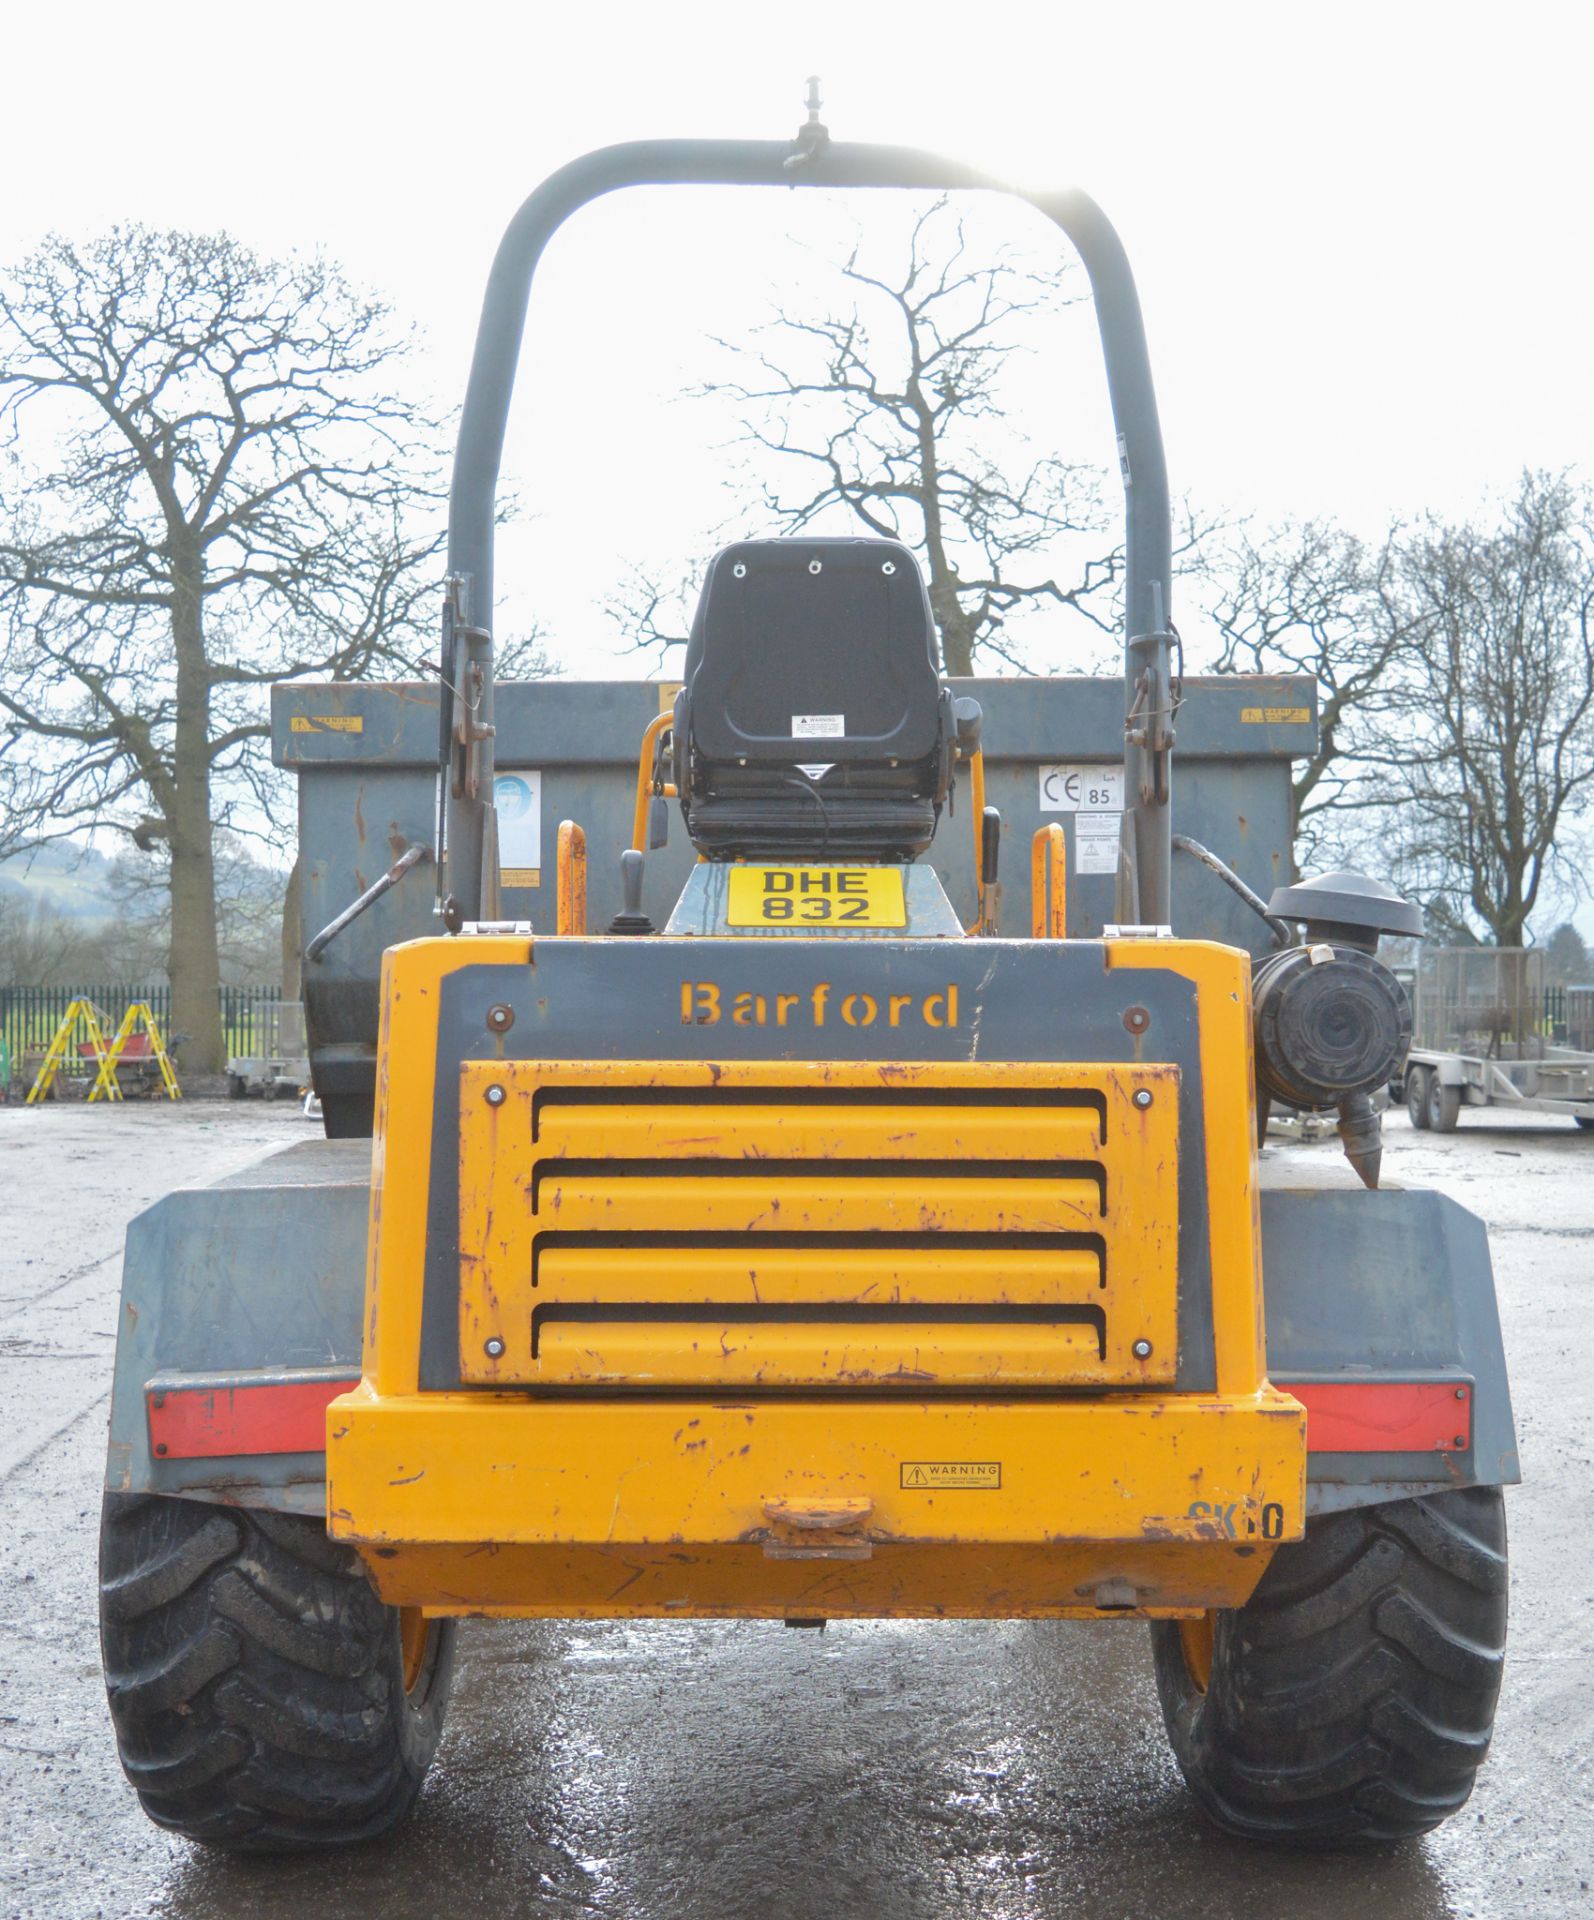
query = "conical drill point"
x=1361 y=1133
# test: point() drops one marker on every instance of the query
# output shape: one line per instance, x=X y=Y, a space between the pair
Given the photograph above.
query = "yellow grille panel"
x=907 y=1353
x=883 y=1130
x=809 y=1223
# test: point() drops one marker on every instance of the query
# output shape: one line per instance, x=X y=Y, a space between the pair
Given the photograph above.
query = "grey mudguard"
x=256 y=1279
x=1392 y=1284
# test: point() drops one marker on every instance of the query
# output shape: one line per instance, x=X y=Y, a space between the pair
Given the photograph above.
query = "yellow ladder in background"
x=106 y=1081
x=60 y=1046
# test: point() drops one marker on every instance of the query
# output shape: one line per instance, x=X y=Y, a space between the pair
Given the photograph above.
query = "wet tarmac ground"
x=678 y=1771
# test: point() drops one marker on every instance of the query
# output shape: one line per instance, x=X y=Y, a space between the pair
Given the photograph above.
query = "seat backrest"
x=813 y=650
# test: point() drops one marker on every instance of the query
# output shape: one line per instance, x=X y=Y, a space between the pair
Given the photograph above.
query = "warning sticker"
x=932 y=1476
x=1276 y=716
x=1096 y=839
x=327 y=723
x=818 y=726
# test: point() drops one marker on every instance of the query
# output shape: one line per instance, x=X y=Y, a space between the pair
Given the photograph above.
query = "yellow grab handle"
x=977 y=808
x=1048 y=890
x=571 y=867
x=644 y=781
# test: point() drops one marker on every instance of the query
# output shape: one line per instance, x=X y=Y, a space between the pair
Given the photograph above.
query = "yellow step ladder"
x=61 y=1045
x=106 y=1082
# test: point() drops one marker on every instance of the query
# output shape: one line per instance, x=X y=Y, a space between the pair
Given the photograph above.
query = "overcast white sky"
x=1361 y=232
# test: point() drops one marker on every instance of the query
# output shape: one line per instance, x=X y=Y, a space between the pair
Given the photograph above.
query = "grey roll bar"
x=812 y=160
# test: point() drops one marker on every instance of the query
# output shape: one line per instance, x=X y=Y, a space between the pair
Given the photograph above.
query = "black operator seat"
x=812 y=723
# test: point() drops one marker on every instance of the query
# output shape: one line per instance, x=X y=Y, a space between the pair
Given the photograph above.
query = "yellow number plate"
x=816 y=897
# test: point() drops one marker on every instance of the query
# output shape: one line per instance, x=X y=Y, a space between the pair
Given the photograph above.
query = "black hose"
x=1281 y=933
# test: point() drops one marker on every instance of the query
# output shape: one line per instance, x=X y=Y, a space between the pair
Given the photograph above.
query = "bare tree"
x=895 y=411
x=210 y=482
x=249 y=895
x=1312 y=599
x=40 y=945
x=1501 y=701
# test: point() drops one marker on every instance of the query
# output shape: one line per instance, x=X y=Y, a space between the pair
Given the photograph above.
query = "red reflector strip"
x=1385 y=1416
x=198 y=1423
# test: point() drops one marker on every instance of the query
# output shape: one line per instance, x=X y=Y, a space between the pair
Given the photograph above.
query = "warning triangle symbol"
x=917 y=1477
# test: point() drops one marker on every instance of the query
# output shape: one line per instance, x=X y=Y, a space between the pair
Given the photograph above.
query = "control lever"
x=990 y=843
x=631 y=918
x=990 y=855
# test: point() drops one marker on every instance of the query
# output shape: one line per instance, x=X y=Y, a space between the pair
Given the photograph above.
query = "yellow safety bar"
x=571 y=875
x=644 y=781
x=1048 y=891
x=984 y=921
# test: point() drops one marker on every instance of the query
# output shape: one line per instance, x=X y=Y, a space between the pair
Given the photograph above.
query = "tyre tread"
x=255 y=1678
x=1352 y=1698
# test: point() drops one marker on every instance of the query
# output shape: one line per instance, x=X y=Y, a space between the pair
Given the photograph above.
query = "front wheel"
x=1350 y=1701
x=1417 y=1097
x=264 y=1699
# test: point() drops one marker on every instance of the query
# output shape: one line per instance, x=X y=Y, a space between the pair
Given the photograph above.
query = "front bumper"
x=827 y=1507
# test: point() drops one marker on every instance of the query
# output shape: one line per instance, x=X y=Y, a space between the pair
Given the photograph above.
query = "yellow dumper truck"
x=808 y=1239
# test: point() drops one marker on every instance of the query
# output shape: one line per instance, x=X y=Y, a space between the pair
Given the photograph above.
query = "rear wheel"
x=1417 y=1097
x=264 y=1698
x=1350 y=1701
x=1444 y=1105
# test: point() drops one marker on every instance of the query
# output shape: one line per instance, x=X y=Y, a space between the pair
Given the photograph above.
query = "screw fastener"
x=500 y=1018
x=494 y=1348
x=1136 y=1019
x=1461 y=1440
x=1461 y=1393
x=160 y=1446
x=495 y=1095
x=1141 y=1349
x=1143 y=1098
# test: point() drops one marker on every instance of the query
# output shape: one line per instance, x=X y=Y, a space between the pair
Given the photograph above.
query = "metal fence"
x=1494 y=1002
x=29 y=1016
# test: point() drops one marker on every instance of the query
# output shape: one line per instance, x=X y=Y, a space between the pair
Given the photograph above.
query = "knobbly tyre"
x=829 y=1252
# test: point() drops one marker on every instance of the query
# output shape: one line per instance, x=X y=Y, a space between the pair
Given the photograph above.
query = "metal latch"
x=818 y=1528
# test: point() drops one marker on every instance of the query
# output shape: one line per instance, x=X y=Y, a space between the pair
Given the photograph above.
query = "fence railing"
x=29 y=1016
x=1519 y=1024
